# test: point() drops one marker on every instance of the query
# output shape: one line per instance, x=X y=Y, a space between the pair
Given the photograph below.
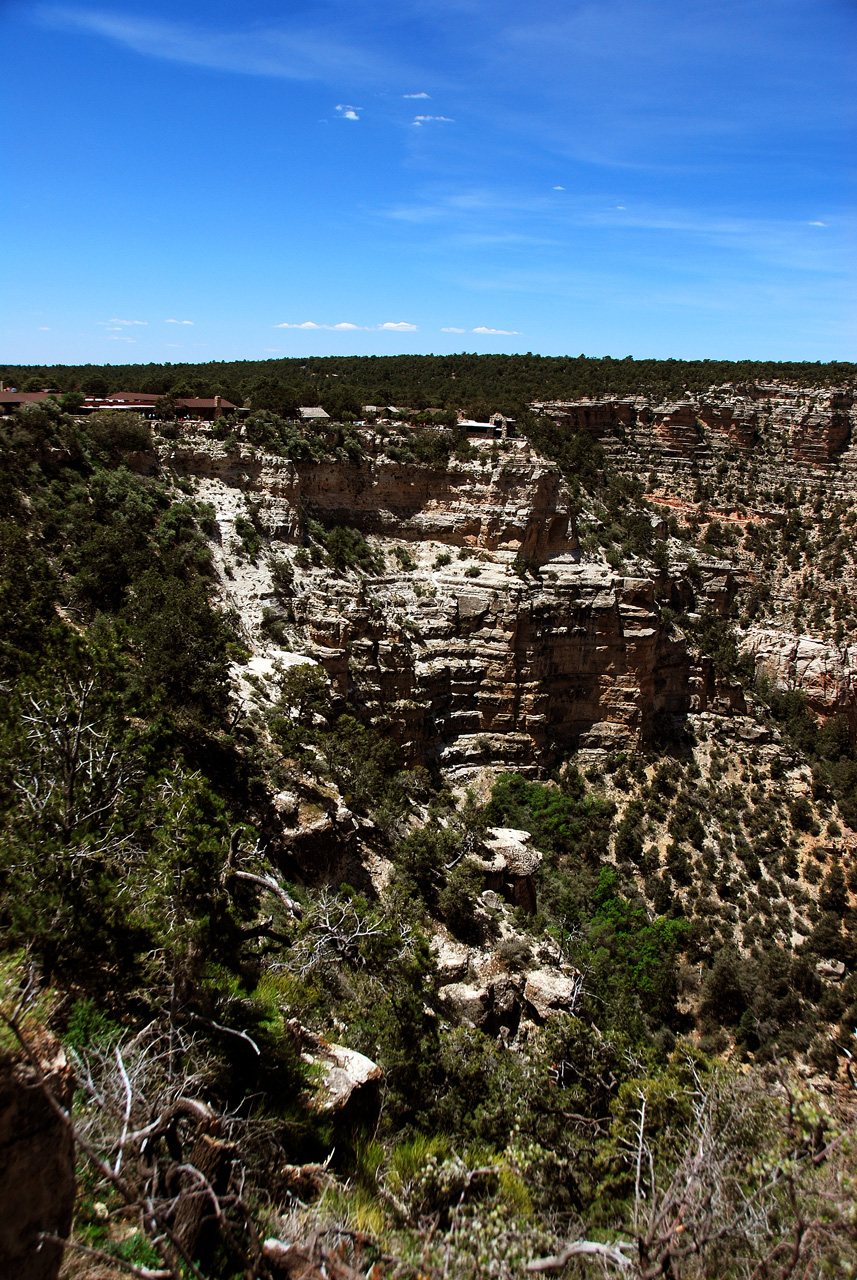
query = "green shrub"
x=801 y=814
x=629 y=841
x=404 y=557
x=114 y=435
x=248 y=536
x=282 y=576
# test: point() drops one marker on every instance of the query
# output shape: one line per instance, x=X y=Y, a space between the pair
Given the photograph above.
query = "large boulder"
x=348 y=1084
x=471 y=1002
x=549 y=993
x=511 y=866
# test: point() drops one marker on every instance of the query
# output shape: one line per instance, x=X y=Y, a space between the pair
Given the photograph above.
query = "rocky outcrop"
x=824 y=672
x=511 y=867
x=348 y=1087
x=733 y=422
x=462 y=660
x=514 y=671
x=598 y=418
x=327 y=848
x=675 y=427
x=37 y=1177
x=504 y=1001
x=517 y=502
x=549 y=993
x=791 y=423
x=820 y=431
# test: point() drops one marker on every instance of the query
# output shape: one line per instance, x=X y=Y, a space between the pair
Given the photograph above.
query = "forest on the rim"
x=502 y=383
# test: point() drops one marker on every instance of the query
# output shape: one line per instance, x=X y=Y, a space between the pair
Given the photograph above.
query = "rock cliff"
x=517 y=503
x=824 y=672
x=464 y=658
x=800 y=425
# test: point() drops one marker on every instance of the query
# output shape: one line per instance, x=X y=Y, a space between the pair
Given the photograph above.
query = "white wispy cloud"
x=311 y=324
x=416 y=95
x=44 y=328
x=347 y=112
x=559 y=188
x=115 y=337
x=818 y=224
x=508 y=333
x=295 y=52
x=451 y=328
x=419 y=120
x=401 y=326
x=178 y=321
x=117 y=321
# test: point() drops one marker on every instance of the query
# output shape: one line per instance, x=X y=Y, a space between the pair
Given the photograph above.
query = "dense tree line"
x=479 y=382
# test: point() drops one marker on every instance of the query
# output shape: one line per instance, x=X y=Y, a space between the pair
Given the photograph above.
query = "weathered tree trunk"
x=37 y=1178
x=195 y=1223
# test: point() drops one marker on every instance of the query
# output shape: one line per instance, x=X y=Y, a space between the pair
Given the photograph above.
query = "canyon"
x=521 y=749
x=467 y=661
x=495 y=636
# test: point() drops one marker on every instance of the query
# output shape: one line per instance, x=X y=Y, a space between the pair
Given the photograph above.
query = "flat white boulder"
x=345 y=1072
x=511 y=851
x=550 y=993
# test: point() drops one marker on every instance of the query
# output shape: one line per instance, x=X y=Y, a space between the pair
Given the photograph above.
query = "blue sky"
x=194 y=181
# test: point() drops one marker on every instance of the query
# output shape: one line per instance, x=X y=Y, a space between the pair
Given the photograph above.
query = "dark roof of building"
x=22 y=397
x=187 y=402
x=191 y=402
x=121 y=400
x=132 y=397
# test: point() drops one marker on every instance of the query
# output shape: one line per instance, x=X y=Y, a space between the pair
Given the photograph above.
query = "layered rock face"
x=517 y=503
x=597 y=417
x=511 y=671
x=800 y=425
x=826 y=673
x=464 y=660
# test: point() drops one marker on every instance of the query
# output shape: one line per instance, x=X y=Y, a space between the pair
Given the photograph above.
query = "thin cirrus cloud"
x=347 y=112
x=420 y=120
x=289 y=51
x=451 y=328
x=416 y=95
x=178 y=321
x=116 y=321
